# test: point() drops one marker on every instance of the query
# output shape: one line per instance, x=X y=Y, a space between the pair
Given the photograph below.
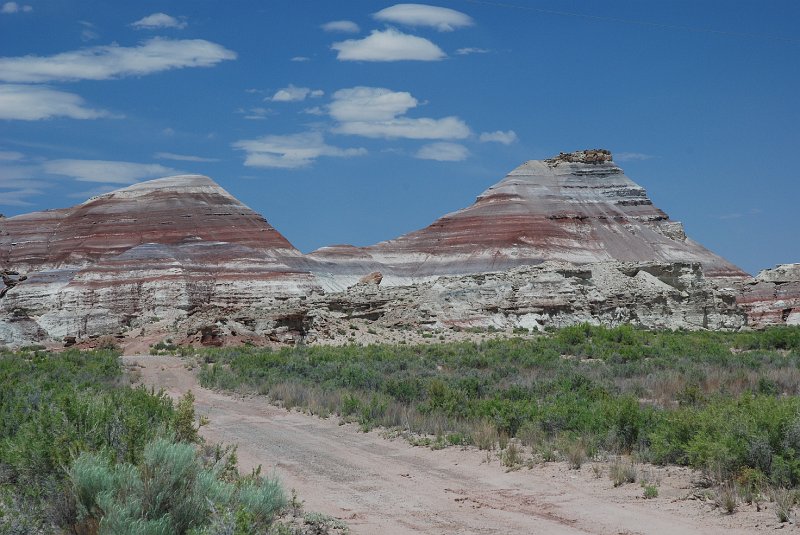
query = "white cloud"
x=159 y=20
x=300 y=58
x=112 y=61
x=295 y=94
x=506 y=138
x=113 y=172
x=182 y=157
x=441 y=18
x=471 y=50
x=13 y=7
x=405 y=127
x=10 y=156
x=379 y=112
x=443 y=152
x=388 y=45
x=370 y=104
x=316 y=110
x=290 y=151
x=631 y=156
x=32 y=103
x=345 y=26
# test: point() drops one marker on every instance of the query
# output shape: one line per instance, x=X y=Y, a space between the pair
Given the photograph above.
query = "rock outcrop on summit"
x=577 y=207
x=557 y=242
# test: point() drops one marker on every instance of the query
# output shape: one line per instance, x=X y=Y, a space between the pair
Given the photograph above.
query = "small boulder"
x=372 y=278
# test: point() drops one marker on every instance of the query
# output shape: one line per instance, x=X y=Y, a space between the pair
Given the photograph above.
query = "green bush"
x=171 y=492
x=716 y=401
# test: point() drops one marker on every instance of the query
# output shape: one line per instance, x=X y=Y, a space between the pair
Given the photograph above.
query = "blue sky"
x=357 y=121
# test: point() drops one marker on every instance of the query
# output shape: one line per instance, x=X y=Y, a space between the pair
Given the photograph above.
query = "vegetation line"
x=725 y=403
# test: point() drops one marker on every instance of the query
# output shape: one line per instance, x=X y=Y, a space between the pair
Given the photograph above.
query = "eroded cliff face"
x=578 y=208
x=555 y=243
x=159 y=249
x=532 y=298
x=167 y=211
x=772 y=297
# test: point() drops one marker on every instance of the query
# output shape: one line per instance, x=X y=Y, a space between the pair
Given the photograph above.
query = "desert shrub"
x=650 y=492
x=185 y=421
x=622 y=472
x=576 y=454
x=484 y=435
x=727 y=497
x=262 y=497
x=56 y=406
x=170 y=492
x=512 y=455
x=669 y=397
x=784 y=502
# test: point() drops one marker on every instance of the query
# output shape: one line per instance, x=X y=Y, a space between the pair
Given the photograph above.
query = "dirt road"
x=389 y=487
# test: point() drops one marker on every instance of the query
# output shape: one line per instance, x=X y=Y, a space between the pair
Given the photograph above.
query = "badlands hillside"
x=557 y=242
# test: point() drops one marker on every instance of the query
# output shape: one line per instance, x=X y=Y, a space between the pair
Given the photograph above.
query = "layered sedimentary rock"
x=556 y=242
x=158 y=250
x=772 y=297
x=167 y=211
x=551 y=294
x=578 y=207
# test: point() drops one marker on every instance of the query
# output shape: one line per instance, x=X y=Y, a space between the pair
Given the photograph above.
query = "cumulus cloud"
x=290 y=151
x=631 y=156
x=344 y=26
x=157 y=21
x=113 y=172
x=443 y=152
x=13 y=7
x=295 y=94
x=378 y=112
x=441 y=18
x=388 y=45
x=182 y=157
x=370 y=104
x=506 y=138
x=112 y=61
x=32 y=103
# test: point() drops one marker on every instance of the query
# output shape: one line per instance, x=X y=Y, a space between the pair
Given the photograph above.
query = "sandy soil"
x=380 y=485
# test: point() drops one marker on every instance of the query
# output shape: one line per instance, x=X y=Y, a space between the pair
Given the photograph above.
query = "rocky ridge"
x=772 y=297
x=578 y=207
x=557 y=242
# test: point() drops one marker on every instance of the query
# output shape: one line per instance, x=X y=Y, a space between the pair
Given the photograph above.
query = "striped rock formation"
x=155 y=251
x=578 y=208
x=559 y=241
x=772 y=297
